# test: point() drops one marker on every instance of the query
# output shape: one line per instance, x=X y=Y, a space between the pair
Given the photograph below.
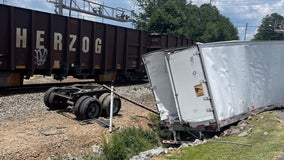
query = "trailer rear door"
x=161 y=85
x=189 y=86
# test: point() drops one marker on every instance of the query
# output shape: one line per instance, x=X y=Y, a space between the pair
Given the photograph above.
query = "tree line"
x=203 y=23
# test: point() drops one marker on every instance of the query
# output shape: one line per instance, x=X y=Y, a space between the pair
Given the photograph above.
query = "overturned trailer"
x=208 y=86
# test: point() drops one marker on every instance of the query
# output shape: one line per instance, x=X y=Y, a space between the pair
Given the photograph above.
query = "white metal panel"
x=244 y=76
x=188 y=85
x=160 y=82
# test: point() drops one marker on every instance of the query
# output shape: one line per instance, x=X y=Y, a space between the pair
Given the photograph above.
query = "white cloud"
x=199 y=2
x=241 y=12
x=262 y=9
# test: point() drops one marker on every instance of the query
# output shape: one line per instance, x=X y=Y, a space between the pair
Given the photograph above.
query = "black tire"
x=90 y=109
x=56 y=102
x=102 y=99
x=103 y=96
x=46 y=96
x=78 y=105
x=116 y=105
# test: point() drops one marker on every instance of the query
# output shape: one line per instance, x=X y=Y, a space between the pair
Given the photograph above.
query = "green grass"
x=262 y=147
x=128 y=142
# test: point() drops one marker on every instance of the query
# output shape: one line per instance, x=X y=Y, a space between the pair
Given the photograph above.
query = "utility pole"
x=246 y=28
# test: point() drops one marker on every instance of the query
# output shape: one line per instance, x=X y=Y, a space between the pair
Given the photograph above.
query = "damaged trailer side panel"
x=244 y=77
x=216 y=84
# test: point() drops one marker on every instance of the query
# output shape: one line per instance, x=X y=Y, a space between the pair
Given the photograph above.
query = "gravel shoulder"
x=30 y=131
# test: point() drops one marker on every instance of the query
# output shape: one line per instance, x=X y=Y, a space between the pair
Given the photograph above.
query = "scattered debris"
x=198 y=142
x=184 y=145
x=100 y=121
x=158 y=151
x=261 y=117
x=243 y=134
x=51 y=130
x=96 y=149
x=265 y=133
x=250 y=129
x=149 y=154
x=235 y=131
x=242 y=129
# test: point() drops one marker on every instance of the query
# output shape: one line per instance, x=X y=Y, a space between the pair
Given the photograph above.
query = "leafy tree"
x=266 y=29
x=162 y=16
x=179 y=18
x=216 y=27
x=194 y=22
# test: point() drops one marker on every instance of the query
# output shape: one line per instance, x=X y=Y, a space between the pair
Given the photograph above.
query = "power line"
x=238 y=26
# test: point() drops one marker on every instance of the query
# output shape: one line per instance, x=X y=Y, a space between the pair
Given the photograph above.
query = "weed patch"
x=128 y=142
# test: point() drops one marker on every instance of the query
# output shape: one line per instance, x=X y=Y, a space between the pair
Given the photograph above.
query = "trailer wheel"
x=46 y=96
x=56 y=102
x=90 y=108
x=78 y=105
x=116 y=105
x=101 y=99
x=103 y=96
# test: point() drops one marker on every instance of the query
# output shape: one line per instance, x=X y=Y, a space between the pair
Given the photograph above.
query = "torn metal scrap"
x=101 y=122
x=132 y=101
x=51 y=130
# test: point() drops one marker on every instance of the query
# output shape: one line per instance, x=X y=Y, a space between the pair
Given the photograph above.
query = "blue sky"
x=239 y=12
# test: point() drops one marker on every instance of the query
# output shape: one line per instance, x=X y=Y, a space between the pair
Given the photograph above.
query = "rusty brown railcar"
x=34 y=42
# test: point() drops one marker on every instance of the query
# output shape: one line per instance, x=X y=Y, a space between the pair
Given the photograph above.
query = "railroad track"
x=39 y=87
x=42 y=87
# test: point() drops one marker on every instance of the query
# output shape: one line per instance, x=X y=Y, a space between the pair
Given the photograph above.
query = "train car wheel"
x=116 y=105
x=47 y=94
x=78 y=105
x=90 y=108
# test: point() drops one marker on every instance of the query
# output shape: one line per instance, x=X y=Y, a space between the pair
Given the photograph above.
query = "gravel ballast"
x=30 y=131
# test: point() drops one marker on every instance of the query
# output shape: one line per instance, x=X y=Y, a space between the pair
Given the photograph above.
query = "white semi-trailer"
x=208 y=86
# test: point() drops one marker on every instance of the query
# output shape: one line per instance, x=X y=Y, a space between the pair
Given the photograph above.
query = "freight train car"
x=34 y=42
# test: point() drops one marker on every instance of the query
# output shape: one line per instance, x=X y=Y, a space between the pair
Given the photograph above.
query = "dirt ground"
x=51 y=135
x=48 y=134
